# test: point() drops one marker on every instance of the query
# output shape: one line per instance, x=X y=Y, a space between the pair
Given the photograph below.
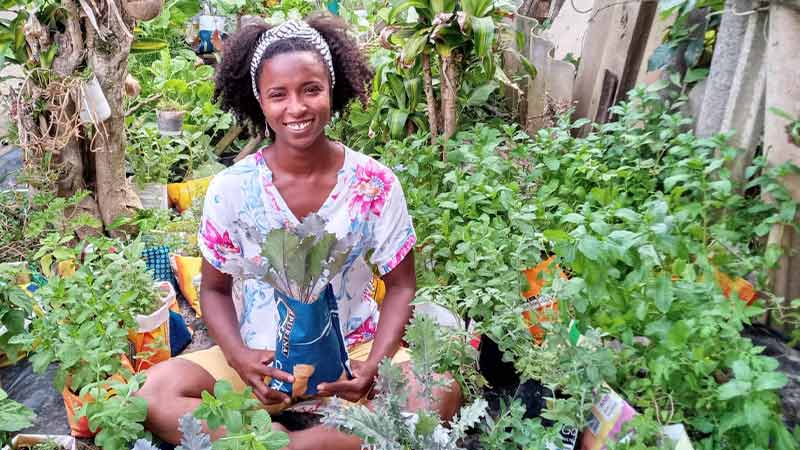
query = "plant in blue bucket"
x=299 y=264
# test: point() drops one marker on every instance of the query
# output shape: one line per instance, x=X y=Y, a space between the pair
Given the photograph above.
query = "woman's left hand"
x=364 y=374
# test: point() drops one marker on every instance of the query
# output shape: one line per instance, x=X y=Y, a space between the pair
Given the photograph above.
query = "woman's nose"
x=297 y=107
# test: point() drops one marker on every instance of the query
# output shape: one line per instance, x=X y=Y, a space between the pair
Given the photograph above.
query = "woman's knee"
x=175 y=378
x=447 y=396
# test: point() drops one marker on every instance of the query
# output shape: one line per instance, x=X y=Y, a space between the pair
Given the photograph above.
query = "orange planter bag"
x=181 y=195
x=741 y=286
x=151 y=340
x=73 y=402
x=187 y=272
x=544 y=308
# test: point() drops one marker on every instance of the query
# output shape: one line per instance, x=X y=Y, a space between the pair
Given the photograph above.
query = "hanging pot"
x=143 y=9
x=94 y=106
x=170 y=123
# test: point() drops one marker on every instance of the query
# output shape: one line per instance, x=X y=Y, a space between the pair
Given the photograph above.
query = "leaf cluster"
x=85 y=317
x=13 y=416
x=117 y=413
x=247 y=425
x=301 y=261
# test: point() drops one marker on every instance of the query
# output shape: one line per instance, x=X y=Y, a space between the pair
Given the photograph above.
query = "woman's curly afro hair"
x=353 y=75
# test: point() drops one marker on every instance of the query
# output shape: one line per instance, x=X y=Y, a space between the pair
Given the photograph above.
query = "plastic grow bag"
x=309 y=344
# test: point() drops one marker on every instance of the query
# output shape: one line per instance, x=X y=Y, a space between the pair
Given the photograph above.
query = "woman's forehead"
x=297 y=67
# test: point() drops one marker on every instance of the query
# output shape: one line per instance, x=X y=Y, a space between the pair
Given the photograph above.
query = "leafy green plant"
x=13 y=416
x=86 y=316
x=116 y=414
x=690 y=41
x=15 y=308
x=450 y=35
x=247 y=425
x=642 y=217
x=793 y=128
x=386 y=425
x=512 y=431
x=153 y=156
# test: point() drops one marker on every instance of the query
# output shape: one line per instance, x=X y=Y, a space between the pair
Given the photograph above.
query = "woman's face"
x=295 y=96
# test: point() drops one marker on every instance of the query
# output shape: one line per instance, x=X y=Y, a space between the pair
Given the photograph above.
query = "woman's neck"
x=316 y=158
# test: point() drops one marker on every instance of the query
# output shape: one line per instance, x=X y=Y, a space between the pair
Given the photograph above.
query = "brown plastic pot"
x=143 y=9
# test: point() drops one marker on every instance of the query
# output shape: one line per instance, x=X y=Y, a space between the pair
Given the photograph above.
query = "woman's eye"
x=275 y=95
x=313 y=89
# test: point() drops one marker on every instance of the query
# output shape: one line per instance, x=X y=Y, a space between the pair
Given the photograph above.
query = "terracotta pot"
x=143 y=9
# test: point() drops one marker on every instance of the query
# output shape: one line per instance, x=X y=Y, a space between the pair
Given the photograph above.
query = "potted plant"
x=299 y=263
x=42 y=442
x=153 y=156
x=84 y=327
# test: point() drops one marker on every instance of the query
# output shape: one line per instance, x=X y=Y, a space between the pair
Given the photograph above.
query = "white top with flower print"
x=367 y=198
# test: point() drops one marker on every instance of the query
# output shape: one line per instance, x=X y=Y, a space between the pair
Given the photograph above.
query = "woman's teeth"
x=298 y=126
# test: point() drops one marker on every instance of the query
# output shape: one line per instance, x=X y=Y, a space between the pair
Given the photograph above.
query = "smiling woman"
x=289 y=79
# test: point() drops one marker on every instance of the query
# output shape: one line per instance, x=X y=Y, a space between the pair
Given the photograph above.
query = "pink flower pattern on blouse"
x=372 y=186
x=219 y=243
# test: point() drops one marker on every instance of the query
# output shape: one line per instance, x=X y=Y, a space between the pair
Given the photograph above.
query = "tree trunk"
x=109 y=62
x=430 y=100
x=449 y=97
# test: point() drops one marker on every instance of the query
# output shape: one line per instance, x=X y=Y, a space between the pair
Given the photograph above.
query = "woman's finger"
x=266 y=395
x=278 y=374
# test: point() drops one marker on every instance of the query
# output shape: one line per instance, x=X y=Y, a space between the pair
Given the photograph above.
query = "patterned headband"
x=288 y=30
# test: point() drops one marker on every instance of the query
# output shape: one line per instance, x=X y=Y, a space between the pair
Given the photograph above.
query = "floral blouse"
x=367 y=198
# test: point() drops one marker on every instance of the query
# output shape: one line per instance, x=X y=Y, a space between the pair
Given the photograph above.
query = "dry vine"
x=46 y=120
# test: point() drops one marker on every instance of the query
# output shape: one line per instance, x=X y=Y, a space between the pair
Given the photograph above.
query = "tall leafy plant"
x=448 y=34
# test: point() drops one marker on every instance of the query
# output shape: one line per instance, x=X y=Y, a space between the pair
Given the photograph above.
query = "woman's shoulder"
x=363 y=166
x=236 y=177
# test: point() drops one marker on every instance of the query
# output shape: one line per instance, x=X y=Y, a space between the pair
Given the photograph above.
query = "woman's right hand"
x=253 y=366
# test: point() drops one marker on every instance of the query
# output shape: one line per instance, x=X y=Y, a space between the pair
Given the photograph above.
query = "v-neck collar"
x=273 y=191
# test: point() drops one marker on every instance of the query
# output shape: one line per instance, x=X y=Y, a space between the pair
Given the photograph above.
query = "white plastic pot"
x=29 y=440
x=94 y=105
x=153 y=196
x=170 y=123
x=154 y=320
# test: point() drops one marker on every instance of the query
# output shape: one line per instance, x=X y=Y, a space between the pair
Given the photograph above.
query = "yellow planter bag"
x=181 y=195
x=150 y=340
x=187 y=272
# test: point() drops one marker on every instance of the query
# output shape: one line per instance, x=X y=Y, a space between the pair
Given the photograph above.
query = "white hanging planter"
x=153 y=196
x=170 y=123
x=94 y=105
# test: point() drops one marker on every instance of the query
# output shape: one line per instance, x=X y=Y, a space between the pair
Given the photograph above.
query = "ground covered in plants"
x=583 y=265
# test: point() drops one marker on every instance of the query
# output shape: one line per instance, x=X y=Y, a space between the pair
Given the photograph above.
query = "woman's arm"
x=219 y=315
x=401 y=285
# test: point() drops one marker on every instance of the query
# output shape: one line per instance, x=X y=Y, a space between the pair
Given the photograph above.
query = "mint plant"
x=116 y=414
x=247 y=425
x=641 y=216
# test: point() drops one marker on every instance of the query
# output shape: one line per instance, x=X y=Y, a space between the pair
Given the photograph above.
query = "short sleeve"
x=218 y=240
x=393 y=234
